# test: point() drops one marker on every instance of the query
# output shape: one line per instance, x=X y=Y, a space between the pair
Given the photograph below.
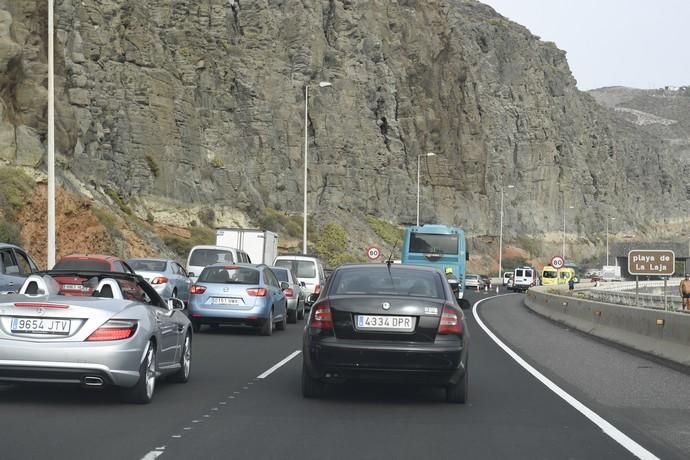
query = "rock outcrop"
x=202 y=104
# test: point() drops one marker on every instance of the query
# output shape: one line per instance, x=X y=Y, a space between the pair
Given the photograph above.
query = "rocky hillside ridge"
x=663 y=112
x=179 y=108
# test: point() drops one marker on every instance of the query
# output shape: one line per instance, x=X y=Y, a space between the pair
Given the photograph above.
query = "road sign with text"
x=651 y=262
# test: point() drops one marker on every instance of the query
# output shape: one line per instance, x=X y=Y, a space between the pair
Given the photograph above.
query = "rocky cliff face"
x=184 y=105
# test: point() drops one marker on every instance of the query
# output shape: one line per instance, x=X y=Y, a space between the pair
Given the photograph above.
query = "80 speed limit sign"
x=557 y=262
x=373 y=253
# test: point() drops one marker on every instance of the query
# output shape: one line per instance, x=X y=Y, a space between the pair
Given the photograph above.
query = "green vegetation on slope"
x=15 y=188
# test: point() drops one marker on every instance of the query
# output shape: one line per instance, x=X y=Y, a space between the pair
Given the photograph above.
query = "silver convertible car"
x=123 y=335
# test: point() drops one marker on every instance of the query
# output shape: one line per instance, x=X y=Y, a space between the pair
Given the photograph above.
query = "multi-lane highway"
x=582 y=399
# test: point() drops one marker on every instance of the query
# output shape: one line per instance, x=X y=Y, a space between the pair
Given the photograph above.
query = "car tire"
x=267 y=328
x=300 y=313
x=282 y=325
x=311 y=388
x=292 y=316
x=457 y=393
x=196 y=326
x=142 y=392
x=182 y=376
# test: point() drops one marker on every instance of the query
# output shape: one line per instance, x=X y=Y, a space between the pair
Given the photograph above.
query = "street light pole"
x=419 y=158
x=607 y=238
x=322 y=84
x=51 y=141
x=569 y=207
x=500 y=238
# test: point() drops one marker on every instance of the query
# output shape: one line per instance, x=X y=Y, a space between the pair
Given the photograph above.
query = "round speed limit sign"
x=373 y=253
x=557 y=262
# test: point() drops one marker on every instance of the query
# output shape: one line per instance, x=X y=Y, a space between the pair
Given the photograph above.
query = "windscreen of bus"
x=433 y=243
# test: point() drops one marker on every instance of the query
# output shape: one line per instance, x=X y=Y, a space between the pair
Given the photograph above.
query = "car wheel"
x=182 y=376
x=267 y=328
x=300 y=313
x=292 y=316
x=142 y=392
x=282 y=325
x=457 y=393
x=311 y=388
x=196 y=326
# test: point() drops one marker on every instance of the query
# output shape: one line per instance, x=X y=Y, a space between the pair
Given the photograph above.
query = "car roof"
x=425 y=268
x=101 y=257
x=213 y=246
x=297 y=257
x=239 y=264
x=9 y=245
x=150 y=259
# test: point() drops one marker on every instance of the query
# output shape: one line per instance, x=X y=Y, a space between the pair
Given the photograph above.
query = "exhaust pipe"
x=93 y=381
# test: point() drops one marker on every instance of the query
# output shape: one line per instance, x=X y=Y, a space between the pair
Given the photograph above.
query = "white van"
x=307 y=268
x=201 y=256
x=523 y=279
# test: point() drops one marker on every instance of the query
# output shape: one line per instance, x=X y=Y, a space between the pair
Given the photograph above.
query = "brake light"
x=159 y=280
x=317 y=289
x=321 y=317
x=196 y=289
x=288 y=292
x=257 y=292
x=39 y=305
x=451 y=321
x=115 y=329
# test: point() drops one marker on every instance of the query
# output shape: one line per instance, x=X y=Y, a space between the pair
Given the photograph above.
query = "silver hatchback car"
x=166 y=276
x=294 y=293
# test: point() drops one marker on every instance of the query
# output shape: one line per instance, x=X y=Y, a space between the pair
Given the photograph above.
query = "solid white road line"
x=606 y=427
x=153 y=455
x=280 y=364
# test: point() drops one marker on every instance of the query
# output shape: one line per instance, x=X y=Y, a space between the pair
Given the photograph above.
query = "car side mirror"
x=190 y=274
x=175 y=304
x=303 y=284
x=311 y=300
x=284 y=285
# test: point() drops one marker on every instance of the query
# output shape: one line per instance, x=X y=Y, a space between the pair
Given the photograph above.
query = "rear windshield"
x=204 y=257
x=229 y=275
x=82 y=264
x=147 y=265
x=430 y=243
x=282 y=275
x=472 y=277
x=302 y=268
x=527 y=273
x=364 y=281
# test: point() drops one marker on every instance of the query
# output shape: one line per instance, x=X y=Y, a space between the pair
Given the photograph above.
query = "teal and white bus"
x=440 y=246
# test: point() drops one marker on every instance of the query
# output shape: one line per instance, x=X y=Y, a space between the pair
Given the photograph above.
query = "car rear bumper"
x=227 y=315
x=70 y=362
x=331 y=359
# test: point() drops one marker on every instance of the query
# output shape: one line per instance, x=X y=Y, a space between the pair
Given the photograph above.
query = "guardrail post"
x=665 y=305
x=637 y=290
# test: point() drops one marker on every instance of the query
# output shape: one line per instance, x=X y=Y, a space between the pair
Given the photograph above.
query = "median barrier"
x=665 y=334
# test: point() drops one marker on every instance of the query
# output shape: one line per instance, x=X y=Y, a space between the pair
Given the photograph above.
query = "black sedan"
x=386 y=323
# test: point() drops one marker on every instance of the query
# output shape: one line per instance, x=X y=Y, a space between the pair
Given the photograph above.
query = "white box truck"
x=260 y=245
x=611 y=273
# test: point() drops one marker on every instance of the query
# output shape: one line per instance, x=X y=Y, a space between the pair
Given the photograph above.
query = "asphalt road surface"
x=240 y=405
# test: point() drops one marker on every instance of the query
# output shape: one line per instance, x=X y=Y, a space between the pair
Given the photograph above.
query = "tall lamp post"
x=500 y=237
x=322 y=84
x=607 y=238
x=569 y=207
x=419 y=158
x=51 y=142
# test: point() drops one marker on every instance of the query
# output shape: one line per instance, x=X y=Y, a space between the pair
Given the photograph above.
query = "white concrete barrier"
x=661 y=333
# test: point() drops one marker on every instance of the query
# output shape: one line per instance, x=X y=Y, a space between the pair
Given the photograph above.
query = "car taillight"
x=196 y=289
x=451 y=321
x=288 y=292
x=317 y=289
x=159 y=280
x=115 y=329
x=257 y=292
x=321 y=317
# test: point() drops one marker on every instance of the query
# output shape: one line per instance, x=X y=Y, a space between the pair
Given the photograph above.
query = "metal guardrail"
x=623 y=293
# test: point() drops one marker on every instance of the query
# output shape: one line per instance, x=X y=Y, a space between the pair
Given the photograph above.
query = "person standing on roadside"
x=685 y=291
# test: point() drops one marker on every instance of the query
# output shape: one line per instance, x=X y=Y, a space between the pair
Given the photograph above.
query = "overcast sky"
x=636 y=43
